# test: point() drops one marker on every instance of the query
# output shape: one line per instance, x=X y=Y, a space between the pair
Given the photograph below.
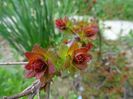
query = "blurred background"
x=24 y=23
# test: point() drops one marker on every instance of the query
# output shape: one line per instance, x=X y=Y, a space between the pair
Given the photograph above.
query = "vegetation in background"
x=27 y=22
x=12 y=80
x=115 y=9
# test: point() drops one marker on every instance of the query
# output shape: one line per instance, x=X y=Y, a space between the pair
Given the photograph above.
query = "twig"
x=102 y=84
x=31 y=90
x=117 y=69
x=125 y=94
x=48 y=91
x=38 y=94
x=13 y=63
x=99 y=35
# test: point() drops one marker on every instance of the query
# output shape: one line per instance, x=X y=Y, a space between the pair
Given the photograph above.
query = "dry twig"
x=31 y=90
x=48 y=91
x=13 y=63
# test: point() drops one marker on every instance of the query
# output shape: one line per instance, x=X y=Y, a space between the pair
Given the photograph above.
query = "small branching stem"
x=13 y=63
x=31 y=90
x=48 y=91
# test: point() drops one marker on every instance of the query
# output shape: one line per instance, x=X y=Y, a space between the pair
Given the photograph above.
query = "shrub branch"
x=30 y=91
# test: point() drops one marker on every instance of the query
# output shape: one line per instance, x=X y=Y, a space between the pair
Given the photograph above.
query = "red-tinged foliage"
x=89 y=46
x=90 y=30
x=61 y=24
x=38 y=65
x=81 y=58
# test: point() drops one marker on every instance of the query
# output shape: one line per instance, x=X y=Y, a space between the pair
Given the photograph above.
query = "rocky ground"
x=7 y=53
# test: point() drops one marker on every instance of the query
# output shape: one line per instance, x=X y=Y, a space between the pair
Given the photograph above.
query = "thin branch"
x=125 y=94
x=102 y=84
x=31 y=90
x=48 y=91
x=13 y=63
x=100 y=38
x=38 y=94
